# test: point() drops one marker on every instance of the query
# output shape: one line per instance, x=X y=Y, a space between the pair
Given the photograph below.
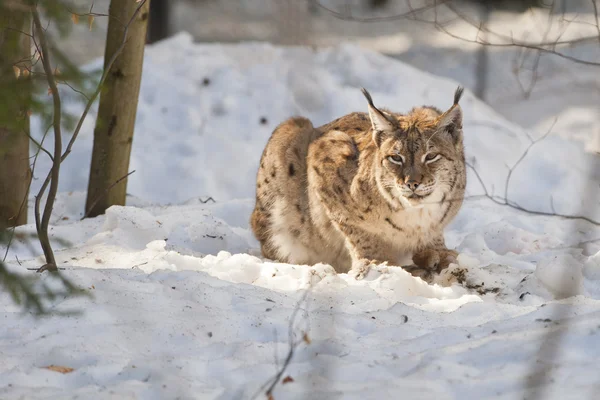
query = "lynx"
x=366 y=189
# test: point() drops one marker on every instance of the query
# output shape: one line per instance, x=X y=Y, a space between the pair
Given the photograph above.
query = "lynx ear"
x=451 y=120
x=379 y=121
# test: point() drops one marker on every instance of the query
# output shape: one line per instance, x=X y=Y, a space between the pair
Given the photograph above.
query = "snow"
x=562 y=275
x=183 y=305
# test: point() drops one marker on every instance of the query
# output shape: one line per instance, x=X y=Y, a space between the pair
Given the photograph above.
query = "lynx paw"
x=419 y=272
x=434 y=260
x=361 y=268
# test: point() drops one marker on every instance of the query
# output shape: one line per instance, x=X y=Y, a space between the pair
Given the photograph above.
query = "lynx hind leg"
x=279 y=218
x=259 y=222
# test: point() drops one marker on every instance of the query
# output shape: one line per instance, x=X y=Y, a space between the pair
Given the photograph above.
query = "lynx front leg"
x=432 y=259
x=361 y=267
x=365 y=251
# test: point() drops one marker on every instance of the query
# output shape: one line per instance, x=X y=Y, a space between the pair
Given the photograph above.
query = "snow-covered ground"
x=184 y=307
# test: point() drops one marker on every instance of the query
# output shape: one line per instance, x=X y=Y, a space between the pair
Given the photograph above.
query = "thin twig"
x=40 y=146
x=407 y=15
x=505 y=202
x=44 y=268
x=101 y=196
x=35 y=158
x=58 y=81
x=102 y=79
x=293 y=345
x=55 y=170
x=90 y=13
x=270 y=385
x=544 y=47
x=541 y=47
x=52 y=177
x=511 y=170
x=74 y=89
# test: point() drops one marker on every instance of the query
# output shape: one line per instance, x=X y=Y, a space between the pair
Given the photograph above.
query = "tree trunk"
x=113 y=134
x=159 y=20
x=15 y=96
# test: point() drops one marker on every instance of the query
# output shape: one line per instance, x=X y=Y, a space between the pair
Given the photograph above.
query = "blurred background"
x=476 y=42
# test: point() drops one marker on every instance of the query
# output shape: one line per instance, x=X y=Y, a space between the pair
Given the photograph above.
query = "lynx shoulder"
x=367 y=188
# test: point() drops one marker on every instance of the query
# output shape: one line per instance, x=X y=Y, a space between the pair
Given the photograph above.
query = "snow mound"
x=206 y=111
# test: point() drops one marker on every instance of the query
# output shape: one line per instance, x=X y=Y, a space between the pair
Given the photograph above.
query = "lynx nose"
x=413 y=180
x=412 y=185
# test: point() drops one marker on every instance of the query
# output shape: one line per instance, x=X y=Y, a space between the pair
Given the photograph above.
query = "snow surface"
x=184 y=307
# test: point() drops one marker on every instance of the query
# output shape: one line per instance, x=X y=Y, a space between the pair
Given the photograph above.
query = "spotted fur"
x=366 y=188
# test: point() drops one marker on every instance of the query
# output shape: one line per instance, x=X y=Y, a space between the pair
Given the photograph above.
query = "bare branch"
x=293 y=344
x=505 y=202
x=40 y=146
x=102 y=79
x=106 y=192
x=21 y=208
x=52 y=177
x=510 y=170
x=543 y=47
x=74 y=89
x=411 y=13
x=94 y=14
x=55 y=170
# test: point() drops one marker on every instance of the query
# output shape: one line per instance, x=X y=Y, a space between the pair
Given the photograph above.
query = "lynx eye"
x=396 y=159
x=431 y=157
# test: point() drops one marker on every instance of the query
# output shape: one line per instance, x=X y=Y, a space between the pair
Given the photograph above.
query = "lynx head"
x=417 y=154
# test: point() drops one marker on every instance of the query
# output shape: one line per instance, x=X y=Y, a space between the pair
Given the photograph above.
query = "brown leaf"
x=56 y=71
x=270 y=397
x=25 y=72
x=287 y=379
x=49 y=91
x=58 y=368
x=306 y=338
x=75 y=18
x=17 y=71
x=90 y=21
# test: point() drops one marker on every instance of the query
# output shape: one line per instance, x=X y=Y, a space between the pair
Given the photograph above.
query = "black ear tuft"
x=458 y=94
x=368 y=96
x=379 y=121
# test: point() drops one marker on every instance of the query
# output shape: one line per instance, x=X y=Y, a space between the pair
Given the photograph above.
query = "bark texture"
x=15 y=96
x=113 y=135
